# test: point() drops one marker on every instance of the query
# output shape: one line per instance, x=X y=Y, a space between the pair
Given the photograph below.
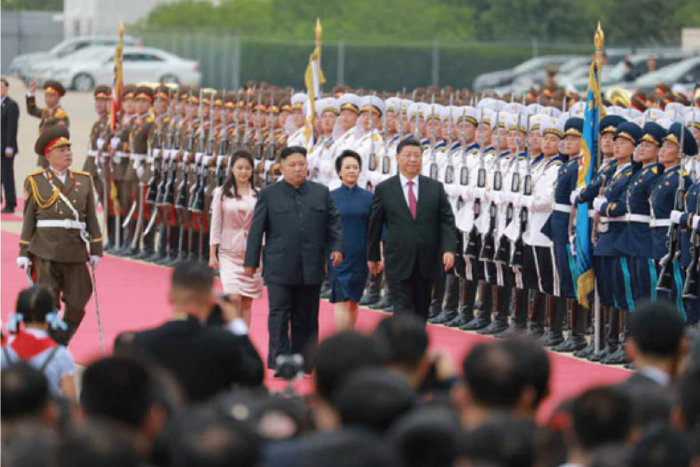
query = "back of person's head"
x=98 y=444
x=503 y=440
x=339 y=355
x=661 y=446
x=25 y=392
x=373 y=398
x=30 y=446
x=401 y=340
x=426 y=436
x=192 y=282
x=34 y=303
x=650 y=405
x=493 y=375
x=535 y=363
x=689 y=399
x=601 y=415
x=657 y=329
x=120 y=389
x=348 y=447
x=203 y=438
x=611 y=455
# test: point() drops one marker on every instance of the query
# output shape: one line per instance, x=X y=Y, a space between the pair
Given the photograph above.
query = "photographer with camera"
x=204 y=356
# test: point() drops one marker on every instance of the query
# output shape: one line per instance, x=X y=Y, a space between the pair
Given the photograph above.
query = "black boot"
x=500 y=322
x=371 y=295
x=576 y=340
x=161 y=246
x=63 y=336
x=173 y=252
x=619 y=357
x=467 y=295
x=148 y=246
x=589 y=350
x=553 y=336
x=482 y=316
x=451 y=300
x=537 y=315
x=125 y=241
x=438 y=295
x=610 y=333
x=109 y=246
x=518 y=323
x=384 y=302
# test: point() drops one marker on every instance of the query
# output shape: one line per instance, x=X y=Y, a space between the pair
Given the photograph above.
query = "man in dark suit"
x=300 y=223
x=420 y=235
x=8 y=130
x=205 y=358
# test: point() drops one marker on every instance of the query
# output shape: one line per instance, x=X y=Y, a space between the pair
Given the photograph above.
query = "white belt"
x=62 y=223
x=137 y=157
x=613 y=219
x=639 y=218
x=92 y=153
x=660 y=222
x=119 y=155
x=562 y=207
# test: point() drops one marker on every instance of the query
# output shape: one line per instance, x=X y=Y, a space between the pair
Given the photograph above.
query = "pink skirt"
x=232 y=278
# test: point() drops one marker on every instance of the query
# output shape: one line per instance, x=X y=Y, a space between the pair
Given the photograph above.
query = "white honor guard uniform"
x=320 y=159
x=370 y=145
x=299 y=102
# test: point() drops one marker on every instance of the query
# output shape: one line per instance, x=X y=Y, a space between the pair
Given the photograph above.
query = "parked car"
x=684 y=72
x=140 y=64
x=45 y=70
x=21 y=64
x=506 y=77
x=539 y=76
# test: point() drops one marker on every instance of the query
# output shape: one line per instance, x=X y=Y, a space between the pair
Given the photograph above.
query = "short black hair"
x=289 y=150
x=494 y=376
x=193 y=275
x=347 y=447
x=373 y=398
x=339 y=355
x=502 y=440
x=25 y=391
x=343 y=155
x=408 y=141
x=689 y=398
x=99 y=444
x=601 y=415
x=34 y=303
x=536 y=364
x=401 y=340
x=4 y=81
x=657 y=329
x=119 y=388
x=426 y=436
x=661 y=446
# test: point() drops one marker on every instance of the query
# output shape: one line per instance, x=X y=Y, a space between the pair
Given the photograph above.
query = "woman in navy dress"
x=354 y=204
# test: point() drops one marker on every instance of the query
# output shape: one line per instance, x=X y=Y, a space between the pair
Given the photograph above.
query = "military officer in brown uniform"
x=60 y=231
x=99 y=135
x=50 y=115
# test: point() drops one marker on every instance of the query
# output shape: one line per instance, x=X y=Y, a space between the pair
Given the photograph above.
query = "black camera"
x=289 y=367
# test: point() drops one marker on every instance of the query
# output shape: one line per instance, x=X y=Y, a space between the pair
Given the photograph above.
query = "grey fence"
x=28 y=31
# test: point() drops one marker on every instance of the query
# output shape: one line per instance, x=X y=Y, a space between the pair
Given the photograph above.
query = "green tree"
x=32 y=5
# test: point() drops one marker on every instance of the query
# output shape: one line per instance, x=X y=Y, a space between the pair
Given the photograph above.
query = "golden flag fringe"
x=313 y=78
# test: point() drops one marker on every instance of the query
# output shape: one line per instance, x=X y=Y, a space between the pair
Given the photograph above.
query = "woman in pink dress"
x=232 y=213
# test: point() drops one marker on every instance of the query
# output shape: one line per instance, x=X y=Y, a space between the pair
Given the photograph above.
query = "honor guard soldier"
x=321 y=163
x=99 y=136
x=295 y=122
x=53 y=113
x=370 y=145
x=60 y=230
x=609 y=225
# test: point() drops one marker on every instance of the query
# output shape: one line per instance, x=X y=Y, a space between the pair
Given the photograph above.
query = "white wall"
x=690 y=39
x=98 y=17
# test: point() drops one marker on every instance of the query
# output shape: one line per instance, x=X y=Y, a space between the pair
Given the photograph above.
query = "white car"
x=140 y=64
x=21 y=64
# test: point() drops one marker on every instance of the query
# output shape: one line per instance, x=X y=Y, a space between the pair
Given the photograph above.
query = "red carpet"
x=132 y=297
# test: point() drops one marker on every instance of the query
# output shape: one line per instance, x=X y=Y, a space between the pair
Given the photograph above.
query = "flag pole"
x=599 y=42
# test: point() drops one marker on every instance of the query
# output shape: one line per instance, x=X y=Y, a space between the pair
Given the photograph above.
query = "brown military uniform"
x=49 y=116
x=59 y=253
x=100 y=129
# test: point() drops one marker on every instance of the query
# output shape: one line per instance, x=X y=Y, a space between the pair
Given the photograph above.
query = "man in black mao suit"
x=8 y=130
x=420 y=236
x=300 y=223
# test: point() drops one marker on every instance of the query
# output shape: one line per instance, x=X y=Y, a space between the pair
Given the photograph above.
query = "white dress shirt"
x=404 y=187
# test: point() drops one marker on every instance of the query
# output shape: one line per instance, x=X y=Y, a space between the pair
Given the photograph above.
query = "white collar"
x=39 y=333
x=654 y=374
x=405 y=180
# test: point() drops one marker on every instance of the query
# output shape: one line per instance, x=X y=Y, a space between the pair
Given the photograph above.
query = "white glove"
x=696 y=222
x=23 y=262
x=598 y=202
x=140 y=171
x=94 y=261
x=675 y=216
x=574 y=195
x=523 y=200
x=100 y=143
x=496 y=197
x=572 y=239
x=114 y=142
x=9 y=151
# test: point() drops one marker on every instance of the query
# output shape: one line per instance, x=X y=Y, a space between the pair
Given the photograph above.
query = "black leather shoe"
x=443 y=317
x=381 y=304
x=514 y=330
x=535 y=331
x=369 y=300
x=550 y=339
x=476 y=324
x=619 y=357
x=7 y=210
x=585 y=352
x=601 y=355
x=494 y=328
x=458 y=321
x=389 y=309
x=571 y=344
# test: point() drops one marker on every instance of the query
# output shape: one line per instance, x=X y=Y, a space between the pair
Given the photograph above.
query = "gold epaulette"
x=655 y=169
x=149 y=119
x=60 y=113
x=37 y=172
x=80 y=172
x=42 y=203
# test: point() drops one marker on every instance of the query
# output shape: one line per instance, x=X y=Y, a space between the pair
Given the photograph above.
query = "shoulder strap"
x=49 y=358
x=7 y=354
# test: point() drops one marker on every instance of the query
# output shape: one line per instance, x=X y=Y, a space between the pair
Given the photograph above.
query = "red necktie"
x=412 y=204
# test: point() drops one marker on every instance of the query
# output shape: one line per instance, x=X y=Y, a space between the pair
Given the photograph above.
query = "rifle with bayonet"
x=517 y=257
x=450 y=169
x=372 y=161
x=386 y=160
x=488 y=247
x=474 y=242
x=433 y=169
x=261 y=142
x=503 y=252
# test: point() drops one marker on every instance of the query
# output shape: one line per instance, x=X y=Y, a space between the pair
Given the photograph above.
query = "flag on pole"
x=587 y=165
x=313 y=78
x=118 y=80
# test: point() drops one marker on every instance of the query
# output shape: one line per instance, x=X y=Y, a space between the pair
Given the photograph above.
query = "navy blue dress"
x=348 y=280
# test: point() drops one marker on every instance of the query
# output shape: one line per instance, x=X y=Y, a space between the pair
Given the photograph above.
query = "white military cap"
x=373 y=103
x=633 y=113
x=692 y=117
x=514 y=108
x=488 y=117
x=552 y=126
x=468 y=113
x=665 y=122
x=298 y=100
x=551 y=111
x=392 y=104
x=434 y=111
x=512 y=122
x=327 y=104
x=349 y=101
x=577 y=109
x=503 y=119
x=405 y=104
x=536 y=121
x=674 y=110
x=414 y=110
x=654 y=113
